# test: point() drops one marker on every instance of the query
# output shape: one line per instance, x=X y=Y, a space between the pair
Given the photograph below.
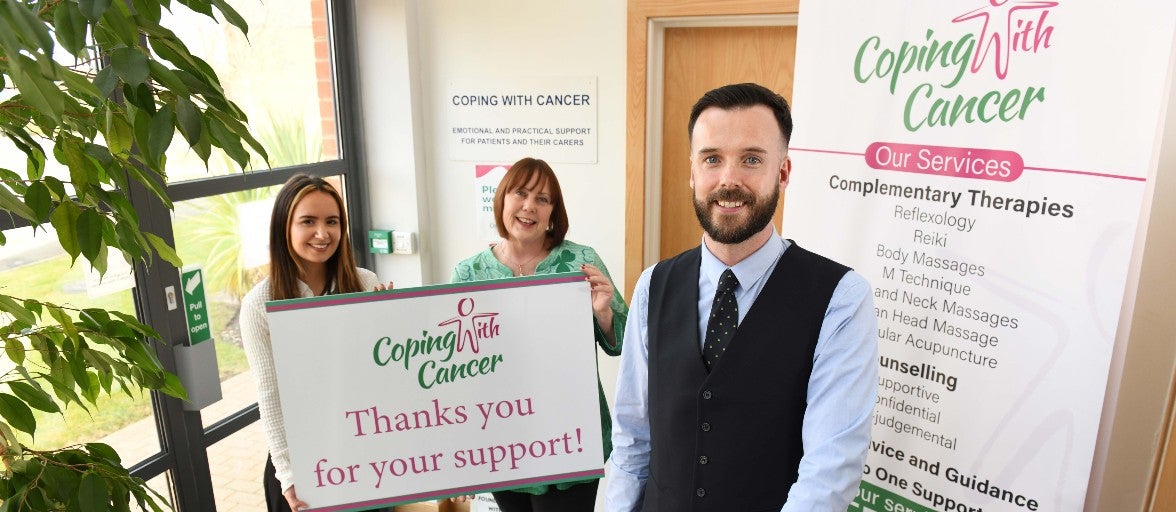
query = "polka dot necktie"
x=724 y=319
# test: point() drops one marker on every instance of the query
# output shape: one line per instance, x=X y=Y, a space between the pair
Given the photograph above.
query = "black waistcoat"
x=730 y=440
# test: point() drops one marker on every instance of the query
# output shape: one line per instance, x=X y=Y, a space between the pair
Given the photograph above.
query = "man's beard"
x=762 y=210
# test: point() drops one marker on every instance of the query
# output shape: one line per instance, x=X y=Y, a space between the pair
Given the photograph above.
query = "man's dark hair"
x=735 y=96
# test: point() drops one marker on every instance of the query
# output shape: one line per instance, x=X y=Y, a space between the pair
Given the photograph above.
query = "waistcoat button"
x=700 y=492
x=706 y=427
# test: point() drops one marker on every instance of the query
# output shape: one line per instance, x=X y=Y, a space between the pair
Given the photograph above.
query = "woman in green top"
x=531 y=218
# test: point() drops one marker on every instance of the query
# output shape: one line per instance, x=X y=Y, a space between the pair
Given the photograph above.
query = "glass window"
x=33 y=265
x=228 y=237
x=162 y=485
x=280 y=76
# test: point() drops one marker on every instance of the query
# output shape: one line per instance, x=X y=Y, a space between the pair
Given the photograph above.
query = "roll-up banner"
x=983 y=164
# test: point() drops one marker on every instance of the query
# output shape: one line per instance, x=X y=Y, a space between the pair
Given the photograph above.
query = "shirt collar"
x=752 y=268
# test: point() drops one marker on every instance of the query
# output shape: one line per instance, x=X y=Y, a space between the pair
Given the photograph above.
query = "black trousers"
x=275 y=501
x=577 y=498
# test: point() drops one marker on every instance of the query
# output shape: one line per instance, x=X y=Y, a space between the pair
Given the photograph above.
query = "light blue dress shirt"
x=841 y=393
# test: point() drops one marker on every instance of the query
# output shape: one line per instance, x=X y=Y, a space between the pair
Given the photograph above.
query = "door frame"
x=646 y=23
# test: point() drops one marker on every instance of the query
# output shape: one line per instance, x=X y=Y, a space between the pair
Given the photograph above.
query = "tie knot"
x=728 y=282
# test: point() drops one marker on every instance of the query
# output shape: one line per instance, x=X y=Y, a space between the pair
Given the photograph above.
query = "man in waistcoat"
x=749 y=372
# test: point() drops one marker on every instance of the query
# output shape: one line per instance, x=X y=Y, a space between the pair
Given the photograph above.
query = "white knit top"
x=255 y=336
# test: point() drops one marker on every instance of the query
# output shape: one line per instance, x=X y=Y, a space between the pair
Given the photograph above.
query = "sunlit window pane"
x=228 y=237
x=33 y=265
x=280 y=76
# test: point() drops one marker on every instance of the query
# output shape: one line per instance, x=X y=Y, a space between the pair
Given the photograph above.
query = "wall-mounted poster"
x=552 y=118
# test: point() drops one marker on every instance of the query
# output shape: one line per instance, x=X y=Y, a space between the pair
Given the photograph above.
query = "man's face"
x=738 y=167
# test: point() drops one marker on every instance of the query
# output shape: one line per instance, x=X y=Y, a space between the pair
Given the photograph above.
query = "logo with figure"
x=471 y=327
x=438 y=358
x=1008 y=26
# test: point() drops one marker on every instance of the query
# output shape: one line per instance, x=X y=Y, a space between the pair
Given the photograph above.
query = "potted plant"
x=107 y=120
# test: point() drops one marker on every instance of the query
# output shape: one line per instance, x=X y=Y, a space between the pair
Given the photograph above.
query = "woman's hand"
x=602 y=293
x=292 y=500
x=381 y=287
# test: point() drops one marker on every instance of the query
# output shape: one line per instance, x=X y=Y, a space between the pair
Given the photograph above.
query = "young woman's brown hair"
x=285 y=266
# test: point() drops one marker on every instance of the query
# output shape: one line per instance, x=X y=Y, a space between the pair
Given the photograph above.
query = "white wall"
x=410 y=50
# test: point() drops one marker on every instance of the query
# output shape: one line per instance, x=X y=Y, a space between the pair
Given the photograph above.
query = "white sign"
x=552 y=118
x=982 y=164
x=484 y=503
x=120 y=276
x=486 y=180
x=253 y=219
x=414 y=394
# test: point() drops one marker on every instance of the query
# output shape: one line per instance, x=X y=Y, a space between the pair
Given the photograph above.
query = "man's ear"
x=785 y=171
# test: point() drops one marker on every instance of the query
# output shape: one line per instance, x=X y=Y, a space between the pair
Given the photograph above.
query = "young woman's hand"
x=381 y=287
x=292 y=500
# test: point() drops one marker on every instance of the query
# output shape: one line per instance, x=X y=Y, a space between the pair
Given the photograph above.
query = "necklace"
x=514 y=264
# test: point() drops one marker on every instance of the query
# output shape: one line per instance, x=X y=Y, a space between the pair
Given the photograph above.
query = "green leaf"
x=106 y=81
x=232 y=16
x=81 y=86
x=55 y=186
x=165 y=251
x=12 y=203
x=130 y=240
x=70 y=27
x=201 y=6
x=138 y=354
x=133 y=323
x=81 y=173
x=173 y=387
x=160 y=132
x=119 y=24
x=90 y=233
x=17 y=310
x=93 y=9
x=29 y=26
x=91 y=388
x=140 y=96
x=203 y=147
x=130 y=64
x=34 y=396
x=223 y=137
x=118 y=134
x=104 y=451
x=63 y=319
x=151 y=183
x=168 y=78
x=39 y=92
x=93 y=495
x=149 y=9
x=188 y=119
x=64 y=219
x=15 y=350
x=38 y=199
x=140 y=125
x=17 y=414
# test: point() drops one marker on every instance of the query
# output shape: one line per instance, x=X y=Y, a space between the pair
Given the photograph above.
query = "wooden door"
x=740 y=51
x=698 y=59
x=1164 y=492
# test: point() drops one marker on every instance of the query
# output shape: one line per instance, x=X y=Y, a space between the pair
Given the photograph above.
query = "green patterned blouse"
x=565 y=257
